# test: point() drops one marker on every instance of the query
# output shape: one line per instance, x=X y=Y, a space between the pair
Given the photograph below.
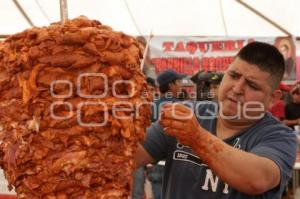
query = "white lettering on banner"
x=209 y=179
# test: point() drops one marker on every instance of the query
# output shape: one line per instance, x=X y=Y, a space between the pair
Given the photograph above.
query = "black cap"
x=168 y=77
x=201 y=76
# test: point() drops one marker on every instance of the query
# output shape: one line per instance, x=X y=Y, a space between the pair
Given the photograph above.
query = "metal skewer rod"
x=146 y=50
x=63 y=10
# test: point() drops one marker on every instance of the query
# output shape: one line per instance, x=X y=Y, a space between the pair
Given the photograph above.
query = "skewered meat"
x=72 y=110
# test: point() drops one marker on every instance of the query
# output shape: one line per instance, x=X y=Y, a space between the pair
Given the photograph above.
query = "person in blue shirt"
x=139 y=178
x=233 y=149
x=170 y=90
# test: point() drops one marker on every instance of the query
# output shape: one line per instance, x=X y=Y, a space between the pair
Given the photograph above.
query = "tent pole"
x=264 y=17
x=23 y=12
x=223 y=17
x=63 y=10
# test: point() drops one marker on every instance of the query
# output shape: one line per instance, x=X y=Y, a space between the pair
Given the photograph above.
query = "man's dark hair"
x=268 y=59
x=165 y=87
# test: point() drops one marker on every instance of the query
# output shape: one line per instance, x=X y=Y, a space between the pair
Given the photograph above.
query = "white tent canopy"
x=163 y=17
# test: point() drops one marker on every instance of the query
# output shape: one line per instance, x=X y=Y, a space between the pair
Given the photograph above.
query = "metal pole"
x=146 y=51
x=264 y=17
x=20 y=8
x=63 y=10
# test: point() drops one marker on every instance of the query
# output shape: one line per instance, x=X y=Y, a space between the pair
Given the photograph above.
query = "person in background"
x=152 y=86
x=292 y=119
x=139 y=178
x=201 y=80
x=290 y=72
x=286 y=46
x=214 y=83
x=278 y=106
x=170 y=89
x=138 y=190
x=292 y=109
x=234 y=149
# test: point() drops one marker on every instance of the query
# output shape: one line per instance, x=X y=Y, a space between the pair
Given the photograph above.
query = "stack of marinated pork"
x=73 y=107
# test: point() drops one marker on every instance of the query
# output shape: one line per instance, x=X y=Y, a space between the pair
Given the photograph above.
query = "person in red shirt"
x=277 y=109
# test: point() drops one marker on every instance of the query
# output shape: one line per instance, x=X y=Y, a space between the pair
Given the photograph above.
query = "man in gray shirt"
x=230 y=150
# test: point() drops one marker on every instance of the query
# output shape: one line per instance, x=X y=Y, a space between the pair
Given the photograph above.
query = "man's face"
x=244 y=88
x=176 y=87
x=151 y=88
x=213 y=90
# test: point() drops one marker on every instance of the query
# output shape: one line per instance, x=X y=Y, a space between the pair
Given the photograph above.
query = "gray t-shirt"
x=187 y=177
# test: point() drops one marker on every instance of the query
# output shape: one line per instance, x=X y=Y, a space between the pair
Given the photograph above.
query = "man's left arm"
x=244 y=171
